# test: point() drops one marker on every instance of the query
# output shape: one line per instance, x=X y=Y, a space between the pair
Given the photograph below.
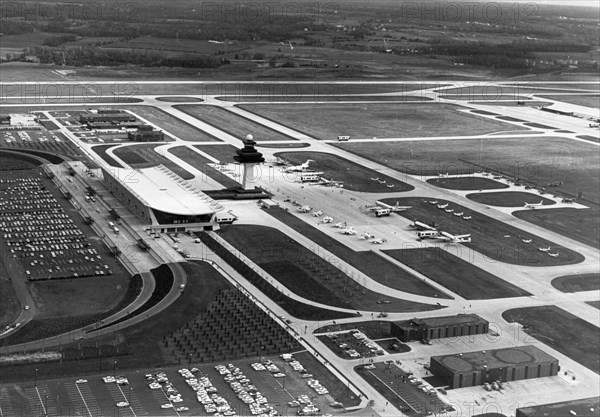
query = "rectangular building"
x=510 y=364
x=439 y=327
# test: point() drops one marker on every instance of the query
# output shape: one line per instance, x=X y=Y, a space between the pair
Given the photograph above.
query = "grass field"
x=231 y=123
x=488 y=235
x=561 y=330
x=201 y=163
x=305 y=273
x=171 y=124
x=535 y=160
x=327 y=121
x=456 y=274
x=101 y=151
x=224 y=153
x=179 y=99
x=595 y=304
x=10 y=307
x=367 y=262
x=317 y=98
x=582 y=225
x=355 y=177
x=509 y=199
x=579 y=282
x=467 y=183
x=580 y=100
x=11 y=162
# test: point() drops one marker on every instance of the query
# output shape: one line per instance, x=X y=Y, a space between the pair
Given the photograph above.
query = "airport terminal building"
x=162 y=199
x=476 y=368
x=439 y=327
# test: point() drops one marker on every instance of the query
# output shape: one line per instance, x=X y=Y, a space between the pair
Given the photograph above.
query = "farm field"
x=327 y=121
x=467 y=183
x=171 y=124
x=560 y=330
x=355 y=177
x=367 y=262
x=305 y=273
x=456 y=274
x=533 y=160
x=582 y=225
x=509 y=198
x=579 y=282
x=488 y=235
x=231 y=123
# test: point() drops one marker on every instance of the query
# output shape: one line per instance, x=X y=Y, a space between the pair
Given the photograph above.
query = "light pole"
x=115 y=369
x=35 y=378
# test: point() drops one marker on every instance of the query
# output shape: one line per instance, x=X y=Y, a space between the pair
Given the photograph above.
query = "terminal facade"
x=439 y=327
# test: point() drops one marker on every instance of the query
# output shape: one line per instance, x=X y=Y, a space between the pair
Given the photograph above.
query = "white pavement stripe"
x=41 y=402
x=83 y=399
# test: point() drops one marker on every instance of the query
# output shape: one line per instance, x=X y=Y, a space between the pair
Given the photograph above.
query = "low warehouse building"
x=585 y=407
x=510 y=364
x=439 y=327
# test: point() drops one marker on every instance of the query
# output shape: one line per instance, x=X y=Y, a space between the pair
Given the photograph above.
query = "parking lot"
x=352 y=344
x=38 y=138
x=241 y=387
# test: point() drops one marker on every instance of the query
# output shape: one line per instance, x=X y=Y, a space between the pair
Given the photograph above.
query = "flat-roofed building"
x=439 y=327
x=585 y=407
x=162 y=199
x=461 y=370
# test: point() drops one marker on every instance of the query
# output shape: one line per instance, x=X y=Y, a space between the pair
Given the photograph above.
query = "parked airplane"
x=329 y=183
x=318 y=213
x=390 y=186
x=304 y=209
x=467 y=217
x=554 y=255
x=366 y=236
x=442 y=206
x=374 y=179
x=327 y=219
x=340 y=225
x=533 y=205
x=381 y=181
x=381 y=209
x=218 y=42
x=450 y=238
x=449 y=210
x=527 y=240
x=349 y=231
x=422 y=226
x=544 y=249
x=377 y=241
x=433 y=201
x=459 y=214
x=299 y=168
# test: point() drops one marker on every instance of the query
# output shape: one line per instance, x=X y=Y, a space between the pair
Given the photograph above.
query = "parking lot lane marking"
x=84 y=401
x=170 y=402
x=41 y=402
x=125 y=398
x=288 y=393
x=390 y=388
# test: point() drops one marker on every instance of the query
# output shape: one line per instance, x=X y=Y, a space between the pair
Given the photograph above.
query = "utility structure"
x=248 y=156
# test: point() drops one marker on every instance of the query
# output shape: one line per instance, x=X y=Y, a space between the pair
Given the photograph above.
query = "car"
x=26 y=307
x=165 y=406
x=182 y=409
x=81 y=381
x=123 y=404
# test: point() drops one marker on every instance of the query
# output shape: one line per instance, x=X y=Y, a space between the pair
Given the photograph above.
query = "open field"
x=327 y=121
x=467 y=183
x=10 y=308
x=101 y=151
x=580 y=100
x=456 y=274
x=488 y=235
x=509 y=198
x=582 y=225
x=201 y=163
x=171 y=124
x=355 y=177
x=143 y=156
x=579 y=282
x=304 y=272
x=534 y=160
x=367 y=262
x=179 y=99
x=16 y=161
x=232 y=123
x=224 y=153
x=595 y=304
x=560 y=330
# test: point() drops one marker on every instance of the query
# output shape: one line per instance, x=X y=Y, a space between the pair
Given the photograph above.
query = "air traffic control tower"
x=249 y=157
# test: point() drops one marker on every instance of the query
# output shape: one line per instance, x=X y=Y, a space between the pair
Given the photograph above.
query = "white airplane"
x=299 y=168
x=449 y=210
x=554 y=255
x=533 y=205
x=446 y=175
x=381 y=181
x=422 y=226
x=330 y=183
x=390 y=186
x=433 y=201
x=442 y=206
x=339 y=225
x=318 y=213
x=349 y=231
x=377 y=241
x=366 y=236
x=382 y=209
x=527 y=240
x=459 y=214
x=327 y=219
x=304 y=209
x=218 y=42
x=291 y=47
x=374 y=179
x=454 y=238
x=467 y=217
x=544 y=249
